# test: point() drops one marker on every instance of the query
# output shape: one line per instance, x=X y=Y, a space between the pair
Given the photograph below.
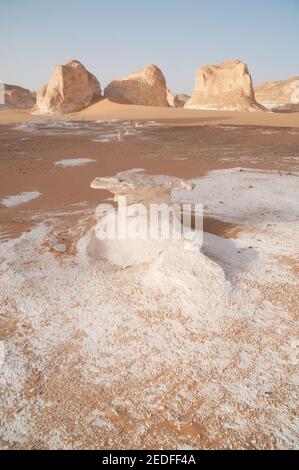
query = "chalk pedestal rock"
x=226 y=86
x=16 y=97
x=142 y=192
x=165 y=265
x=139 y=187
x=280 y=95
x=71 y=88
x=145 y=87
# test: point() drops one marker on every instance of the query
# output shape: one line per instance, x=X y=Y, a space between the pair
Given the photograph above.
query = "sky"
x=116 y=37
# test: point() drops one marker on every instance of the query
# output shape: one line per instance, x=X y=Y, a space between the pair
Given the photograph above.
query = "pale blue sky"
x=113 y=38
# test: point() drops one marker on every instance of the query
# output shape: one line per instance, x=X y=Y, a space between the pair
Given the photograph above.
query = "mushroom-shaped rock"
x=226 y=86
x=71 y=88
x=145 y=87
x=133 y=234
x=139 y=187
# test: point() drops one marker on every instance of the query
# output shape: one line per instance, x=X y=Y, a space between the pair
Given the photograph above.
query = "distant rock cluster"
x=226 y=86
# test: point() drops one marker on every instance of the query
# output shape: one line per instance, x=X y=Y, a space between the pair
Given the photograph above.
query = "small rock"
x=60 y=247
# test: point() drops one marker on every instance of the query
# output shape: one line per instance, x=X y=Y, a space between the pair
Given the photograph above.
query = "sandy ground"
x=106 y=109
x=187 y=353
x=28 y=156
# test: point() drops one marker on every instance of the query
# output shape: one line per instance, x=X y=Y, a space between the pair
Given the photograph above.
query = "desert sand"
x=105 y=109
x=108 y=110
x=181 y=350
x=166 y=344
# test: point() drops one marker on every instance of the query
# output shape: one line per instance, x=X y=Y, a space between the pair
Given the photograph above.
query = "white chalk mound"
x=145 y=87
x=200 y=280
x=71 y=88
x=226 y=86
x=141 y=191
x=171 y=266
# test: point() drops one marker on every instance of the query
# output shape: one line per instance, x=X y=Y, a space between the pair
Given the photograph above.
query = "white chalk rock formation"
x=141 y=191
x=71 y=88
x=226 y=86
x=165 y=264
x=145 y=87
x=280 y=94
x=16 y=97
x=177 y=100
x=139 y=187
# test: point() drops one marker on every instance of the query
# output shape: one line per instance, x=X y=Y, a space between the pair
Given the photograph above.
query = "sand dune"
x=105 y=109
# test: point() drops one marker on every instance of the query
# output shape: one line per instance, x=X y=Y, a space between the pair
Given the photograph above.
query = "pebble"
x=60 y=247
